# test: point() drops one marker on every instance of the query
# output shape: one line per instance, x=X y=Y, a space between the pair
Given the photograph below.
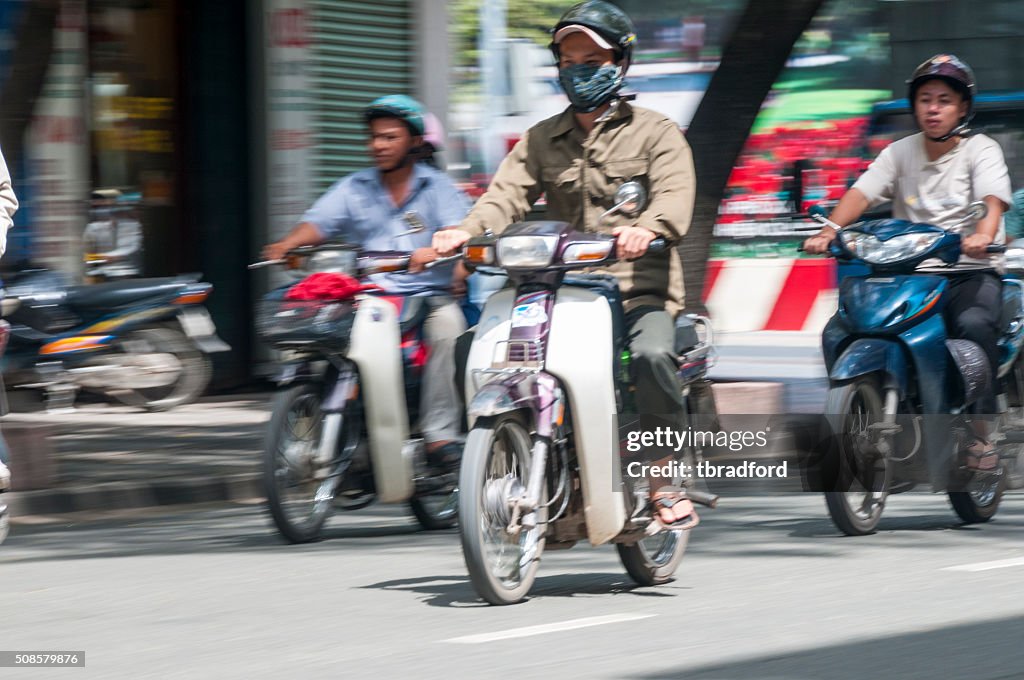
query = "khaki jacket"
x=579 y=176
x=8 y=204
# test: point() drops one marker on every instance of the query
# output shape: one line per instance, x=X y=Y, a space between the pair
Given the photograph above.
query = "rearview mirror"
x=630 y=200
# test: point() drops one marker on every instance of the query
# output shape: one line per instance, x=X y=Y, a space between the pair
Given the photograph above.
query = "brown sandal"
x=981 y=456
x=673 y=499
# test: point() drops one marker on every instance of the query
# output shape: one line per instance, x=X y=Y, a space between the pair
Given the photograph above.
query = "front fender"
x=503 y=395
x=865 y=356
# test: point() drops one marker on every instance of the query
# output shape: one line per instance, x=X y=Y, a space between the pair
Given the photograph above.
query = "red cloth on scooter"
x=328 y=286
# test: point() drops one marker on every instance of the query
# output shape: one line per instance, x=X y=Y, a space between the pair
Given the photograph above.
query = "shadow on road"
x=242 y=528
x=456 y=591
x=980 y=651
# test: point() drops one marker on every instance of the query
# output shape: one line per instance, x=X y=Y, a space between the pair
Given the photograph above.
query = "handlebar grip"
x=995 y=248
x=658 y=245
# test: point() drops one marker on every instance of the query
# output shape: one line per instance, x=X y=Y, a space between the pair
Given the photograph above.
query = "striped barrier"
x=783 y=294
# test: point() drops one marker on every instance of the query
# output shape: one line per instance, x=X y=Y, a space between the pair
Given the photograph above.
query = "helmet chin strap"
x=959 y=131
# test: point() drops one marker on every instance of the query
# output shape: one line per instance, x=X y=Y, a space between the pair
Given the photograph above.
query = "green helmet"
x=399 y=106
x=606 y=24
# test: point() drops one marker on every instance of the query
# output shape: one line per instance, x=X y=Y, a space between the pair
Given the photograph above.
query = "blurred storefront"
x=218 y=122
x=149 y=98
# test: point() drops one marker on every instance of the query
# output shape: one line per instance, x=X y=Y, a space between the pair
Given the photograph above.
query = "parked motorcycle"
x=899 y=388
x=143 y=341
x=341 y=434
x=541 y=468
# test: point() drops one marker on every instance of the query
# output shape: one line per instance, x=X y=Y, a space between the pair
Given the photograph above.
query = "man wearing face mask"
x=578 y=159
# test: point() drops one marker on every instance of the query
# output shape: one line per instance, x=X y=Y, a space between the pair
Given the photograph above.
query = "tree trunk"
x=751 y=62
x=23 y=84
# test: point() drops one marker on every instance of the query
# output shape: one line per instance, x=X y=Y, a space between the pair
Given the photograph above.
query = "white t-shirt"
x=938 y=192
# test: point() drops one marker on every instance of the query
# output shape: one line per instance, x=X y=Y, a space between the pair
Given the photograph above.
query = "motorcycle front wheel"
x=862 y=476
x=496 y=461
x=300 y=493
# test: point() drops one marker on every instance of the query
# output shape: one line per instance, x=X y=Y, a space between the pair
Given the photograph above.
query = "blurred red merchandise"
x=328 y=286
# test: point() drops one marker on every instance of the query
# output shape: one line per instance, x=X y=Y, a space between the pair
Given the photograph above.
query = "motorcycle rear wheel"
x=863 y=481
x=193 y=378
x=653 y=561
x=495 y=466
x=980 y=502
x=293 y=436
x=438 y=510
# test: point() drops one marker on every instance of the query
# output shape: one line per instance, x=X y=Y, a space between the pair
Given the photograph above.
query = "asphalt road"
x=768 y=590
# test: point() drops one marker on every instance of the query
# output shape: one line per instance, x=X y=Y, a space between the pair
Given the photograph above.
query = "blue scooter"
x=899 y=388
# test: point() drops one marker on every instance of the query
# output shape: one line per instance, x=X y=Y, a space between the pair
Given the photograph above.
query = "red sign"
x=289 y=28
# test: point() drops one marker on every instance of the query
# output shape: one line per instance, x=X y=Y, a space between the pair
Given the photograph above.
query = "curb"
x=135 y=495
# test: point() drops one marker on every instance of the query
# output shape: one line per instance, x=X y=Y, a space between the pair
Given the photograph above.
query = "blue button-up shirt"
x=358 y=210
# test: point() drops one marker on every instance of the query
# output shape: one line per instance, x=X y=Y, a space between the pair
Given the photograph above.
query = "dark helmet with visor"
x=958 y=75
x=604 y=23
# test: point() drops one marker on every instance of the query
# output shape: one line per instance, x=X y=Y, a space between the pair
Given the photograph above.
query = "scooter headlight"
x=526 y=251
x=334 y=261
x=869 y=248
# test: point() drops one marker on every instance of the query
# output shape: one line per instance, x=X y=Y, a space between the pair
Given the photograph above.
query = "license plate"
x=197 y=323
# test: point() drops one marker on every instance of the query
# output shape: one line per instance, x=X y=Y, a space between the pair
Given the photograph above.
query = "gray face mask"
x=588 y=87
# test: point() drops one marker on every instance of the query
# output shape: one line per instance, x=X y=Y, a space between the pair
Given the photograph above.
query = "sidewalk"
x=108 y=457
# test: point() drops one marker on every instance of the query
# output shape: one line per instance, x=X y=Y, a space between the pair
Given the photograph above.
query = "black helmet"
x=949 y=69
x=606 y=24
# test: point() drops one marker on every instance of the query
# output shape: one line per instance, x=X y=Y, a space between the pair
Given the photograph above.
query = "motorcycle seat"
x=122 y=293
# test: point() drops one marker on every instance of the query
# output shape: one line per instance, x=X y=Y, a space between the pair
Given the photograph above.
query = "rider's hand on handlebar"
x=819 y=243
x=447 y=241
x=420 y=257
x=632 y=242
x=275 y=251
x=975 y=245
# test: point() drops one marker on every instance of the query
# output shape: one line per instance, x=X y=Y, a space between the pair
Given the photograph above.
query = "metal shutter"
x=360 y=51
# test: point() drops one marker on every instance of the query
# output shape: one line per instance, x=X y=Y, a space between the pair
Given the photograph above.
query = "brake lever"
x=442 y=260
x=266 y=263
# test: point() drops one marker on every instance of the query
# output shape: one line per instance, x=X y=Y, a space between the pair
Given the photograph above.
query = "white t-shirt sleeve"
x=989 y=175
x=878 y=182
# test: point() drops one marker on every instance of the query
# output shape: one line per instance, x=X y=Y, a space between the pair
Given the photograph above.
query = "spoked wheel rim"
x=869 y=481
x=508 y=555
x=304 y=493
x=984 y=489
x=661 y=548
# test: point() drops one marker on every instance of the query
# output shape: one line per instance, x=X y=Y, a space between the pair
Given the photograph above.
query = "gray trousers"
x=440 y=403
x=652 y=366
